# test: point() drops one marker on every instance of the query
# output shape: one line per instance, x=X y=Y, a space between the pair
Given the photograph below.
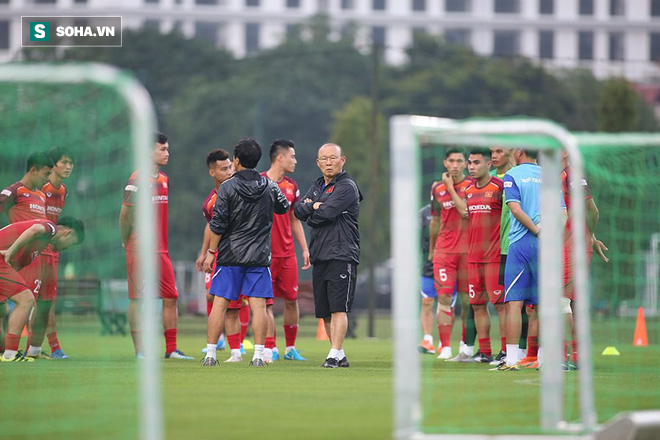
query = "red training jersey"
x=55 y=201
x=566 y=183
x=209 y=204
x=485 y=213
x=159 y=197
x=22 y=203
x=281 y=237
x=452 y=236
x=26 y=255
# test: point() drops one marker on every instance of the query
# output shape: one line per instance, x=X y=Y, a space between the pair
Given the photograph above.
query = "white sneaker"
x=268 y=355
x=522 y=353
x=235 y=357
x=461 y=347
x=461 y=357
x=445 y=353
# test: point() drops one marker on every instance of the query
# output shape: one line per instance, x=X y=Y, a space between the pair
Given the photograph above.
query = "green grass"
x=93 y=395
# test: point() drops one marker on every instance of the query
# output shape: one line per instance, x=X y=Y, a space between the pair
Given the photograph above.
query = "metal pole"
x=373 y=188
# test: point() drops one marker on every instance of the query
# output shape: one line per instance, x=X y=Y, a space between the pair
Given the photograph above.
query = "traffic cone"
x=641 y=338
x=611 y=351
x=24 y=333
x=321 y=334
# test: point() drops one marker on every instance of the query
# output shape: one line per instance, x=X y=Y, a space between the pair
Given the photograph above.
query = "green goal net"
x=99 y=114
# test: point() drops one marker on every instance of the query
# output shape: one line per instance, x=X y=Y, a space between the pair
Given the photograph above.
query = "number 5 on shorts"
x=443 y=274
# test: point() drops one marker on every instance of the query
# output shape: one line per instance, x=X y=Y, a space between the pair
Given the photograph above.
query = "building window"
x=655 y=8
x=507 y=6
x=547 y=7
x=378 y=5
x=653 y=56
x=206 y=2
x=586 y=45
x=616 y=46
x=207 y=31
x=378 y=35
x=546 y=45
x=252 y=31
x=293 y=31
x=4 y=35
x=457 y=36
x=4 y=2
x=506 y=43
x=45 y=2
x=292 y=4
x=151 y=1
x=419 y=5
x=78 y=2
x=347 y=4
x=252 y=3
x=323 y=5
x=617 y=8
x=457 y=5
x=151 y=24
x=586 y=7
x=80 y=22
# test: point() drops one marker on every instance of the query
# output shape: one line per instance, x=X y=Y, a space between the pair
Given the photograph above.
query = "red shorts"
x=167 y=283
x=569 y=286
x=233 y=305
x=450 y=270
x=284 y=274
x=49 y=266
x=11 y=282
x=485 y=283
x=32 y=275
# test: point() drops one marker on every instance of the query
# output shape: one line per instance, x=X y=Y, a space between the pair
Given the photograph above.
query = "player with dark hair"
x=168 y=291
x=240 y=247
x=23 y=201
x=43 y=317
x=448 y=249
x=284 y=265
x=20 y=243
x=484 y=202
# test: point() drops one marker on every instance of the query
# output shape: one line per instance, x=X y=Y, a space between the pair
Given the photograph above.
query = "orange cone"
x=24 y=333
x=321 y=334
x=641 y=338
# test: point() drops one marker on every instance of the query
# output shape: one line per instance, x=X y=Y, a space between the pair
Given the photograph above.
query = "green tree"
x=617 y=108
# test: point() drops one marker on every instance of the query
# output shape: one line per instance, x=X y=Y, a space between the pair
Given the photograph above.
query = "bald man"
x=331 y=208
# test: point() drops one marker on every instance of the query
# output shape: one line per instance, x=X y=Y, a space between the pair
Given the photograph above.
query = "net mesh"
x=85 y=398
x=622 y=172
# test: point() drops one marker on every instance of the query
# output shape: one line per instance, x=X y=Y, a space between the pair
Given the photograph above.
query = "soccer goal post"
x=412 y=140
x=106 y=118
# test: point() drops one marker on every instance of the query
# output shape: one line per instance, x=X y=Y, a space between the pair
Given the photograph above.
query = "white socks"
x=259 y=352
x=512 y=352
x=335 y=354
x=33 y=351
x=429 y=338
x=211 y=350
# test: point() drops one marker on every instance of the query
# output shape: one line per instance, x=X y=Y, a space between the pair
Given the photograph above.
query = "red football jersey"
x=22 y=203
x=209 y=203
x=452 y=236
x=55 y=200
x=566 y=183
x=159 y=197
x=281 y=237
x=485 y=212
x=10 y=233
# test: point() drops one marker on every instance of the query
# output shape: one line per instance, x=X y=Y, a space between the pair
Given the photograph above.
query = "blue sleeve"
x=511 y=191
x=563 y=202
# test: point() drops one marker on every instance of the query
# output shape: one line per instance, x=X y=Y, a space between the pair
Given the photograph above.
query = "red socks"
x=444 y=332
x=574 y=354
x=484 y=346
x=234 y=341
x=270 y=343
x=11 y=341
x=53 y=341
x=290 y=334
x=170 y=340
x=503 y=343
x=532 y=346
x=244 y=319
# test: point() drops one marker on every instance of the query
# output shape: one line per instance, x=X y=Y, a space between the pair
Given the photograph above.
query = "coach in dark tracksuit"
x=331 y=208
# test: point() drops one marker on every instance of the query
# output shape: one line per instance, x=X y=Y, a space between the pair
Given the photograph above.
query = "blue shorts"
x=428 y=287
x=230 y=281
x=521 y=272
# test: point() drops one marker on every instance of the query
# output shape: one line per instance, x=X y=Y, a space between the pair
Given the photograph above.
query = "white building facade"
x=611 y=37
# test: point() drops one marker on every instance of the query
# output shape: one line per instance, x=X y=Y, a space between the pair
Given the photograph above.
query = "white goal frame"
x=405 y=233
x=142 y=125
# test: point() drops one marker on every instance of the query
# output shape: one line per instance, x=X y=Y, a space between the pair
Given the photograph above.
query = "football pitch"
x=94 y=394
